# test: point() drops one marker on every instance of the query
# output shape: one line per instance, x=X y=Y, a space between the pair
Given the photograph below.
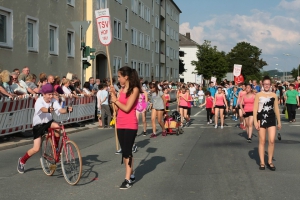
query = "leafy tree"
x=294 y=72
x=249 y=57
x=211 y=62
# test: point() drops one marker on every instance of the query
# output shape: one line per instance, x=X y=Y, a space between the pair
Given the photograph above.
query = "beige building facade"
x=38 y=34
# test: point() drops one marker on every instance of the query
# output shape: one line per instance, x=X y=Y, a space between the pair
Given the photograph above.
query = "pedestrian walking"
x=247 y=110
x=291 y=101
x=220 y=104
x=167 y=97
x=141 y=109
x=104 y=105
x=208 y=101
x=183 y=105
x=242 y=92
x=265 y=113
x=127 y=124
x=158 y=103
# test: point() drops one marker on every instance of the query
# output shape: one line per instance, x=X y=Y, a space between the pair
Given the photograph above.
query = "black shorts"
x=183 y=107
x=159 y=109
x=126 y=139
x=167 y=107
x=189 y=111
x=248 y=114
x=40 y=129
x=220 y=107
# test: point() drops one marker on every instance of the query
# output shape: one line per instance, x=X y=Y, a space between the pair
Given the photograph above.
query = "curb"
x=27 y=141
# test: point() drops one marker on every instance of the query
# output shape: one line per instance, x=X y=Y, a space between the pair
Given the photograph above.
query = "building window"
x=156 y=70
x=117 y=63
x=156 y=46
x=53 y=39
x=32 y=34
x=152 y=33
x=134 y=6
x=126 y=18
x=102 y=4
x=141 y=44
x=70 y=43
x=117 y=29
x=6 y=25
x=134 y=36
x=133 y=64
x=168 y=51
x=119 y=1
x=71 y=3
x=152 y=7
x=168 y=30
x=156 y=21
x=167 y=72
x=141 y=69
x=126 y=52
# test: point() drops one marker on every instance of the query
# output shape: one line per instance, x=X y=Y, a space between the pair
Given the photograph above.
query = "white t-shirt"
x=39 y=117
x=66 y=90
x=201 y=94
x=192 y=90
x=101 y=94
x=20 y=87
x=86 y=91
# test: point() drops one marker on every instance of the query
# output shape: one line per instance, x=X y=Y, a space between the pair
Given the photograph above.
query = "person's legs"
x=108 y=113
x=208 y=114
x=293 y=111
x=185 y=111
x=144 y=121
x=250 y=126
x=153 y=118
x=222 y=116
x=289 y=110
x=271 y=140
x=261 y=145
x=181 y=114
x=216 y=116
x=160 y=119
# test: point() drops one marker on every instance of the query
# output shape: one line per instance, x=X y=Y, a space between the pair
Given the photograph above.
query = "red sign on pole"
x=239 y=79
x=104 y=26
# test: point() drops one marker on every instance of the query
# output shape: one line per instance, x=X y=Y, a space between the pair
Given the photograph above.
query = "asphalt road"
x=203 y=163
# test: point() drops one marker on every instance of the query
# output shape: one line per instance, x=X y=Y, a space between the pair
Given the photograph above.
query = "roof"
x=185 y=41
x=175 y=5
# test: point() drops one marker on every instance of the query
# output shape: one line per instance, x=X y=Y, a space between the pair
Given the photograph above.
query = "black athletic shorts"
x=248 y=114
x=220 y=107
x=40 y=129
x=126 y=139
x=183 y=107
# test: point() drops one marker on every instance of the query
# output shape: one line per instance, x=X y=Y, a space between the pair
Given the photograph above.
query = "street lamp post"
x=286 y=54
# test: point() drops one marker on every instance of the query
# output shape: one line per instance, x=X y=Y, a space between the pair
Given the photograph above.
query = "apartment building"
x=145 y=37
x=190 y=48
x=38 y=34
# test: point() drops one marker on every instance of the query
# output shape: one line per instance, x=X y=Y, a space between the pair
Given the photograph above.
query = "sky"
x=271 y=25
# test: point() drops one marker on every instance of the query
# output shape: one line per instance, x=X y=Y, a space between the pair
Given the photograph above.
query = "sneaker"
x=187 y=124
x=134 y=148
x=125 y=185
x=221 y=127
x=249 y=140
x=153 y=135
x=144 y=133
x=164 y=134
x=119 y=152
x=21 y=167
x=216 y=126
x=208 y=123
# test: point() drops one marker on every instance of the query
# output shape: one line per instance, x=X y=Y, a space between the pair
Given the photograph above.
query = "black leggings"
x=291 y=109
x=209 y=115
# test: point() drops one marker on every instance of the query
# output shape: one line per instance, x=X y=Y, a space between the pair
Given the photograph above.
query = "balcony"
x=162 y=58
x=162 y=36
x=162 y=12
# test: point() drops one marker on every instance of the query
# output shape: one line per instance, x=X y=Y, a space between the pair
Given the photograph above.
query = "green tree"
x=211 y=62
x=294 y=72
x=249 y=57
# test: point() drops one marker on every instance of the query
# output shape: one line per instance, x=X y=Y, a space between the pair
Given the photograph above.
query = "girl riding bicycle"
x=42 y=120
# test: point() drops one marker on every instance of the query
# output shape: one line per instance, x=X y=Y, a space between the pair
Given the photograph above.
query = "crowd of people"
x=253 y=105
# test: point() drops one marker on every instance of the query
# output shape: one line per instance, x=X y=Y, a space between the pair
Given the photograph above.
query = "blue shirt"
x=257 y=88
x=212 y=91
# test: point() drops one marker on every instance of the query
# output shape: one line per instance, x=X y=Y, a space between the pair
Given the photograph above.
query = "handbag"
x=286 y=114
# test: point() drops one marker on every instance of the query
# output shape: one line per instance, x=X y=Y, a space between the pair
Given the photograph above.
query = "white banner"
x=104 y=26
x=213 y=79
x=237 y=69
x=199 y=79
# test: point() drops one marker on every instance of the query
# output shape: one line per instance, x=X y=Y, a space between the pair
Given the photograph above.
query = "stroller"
x=172 y=123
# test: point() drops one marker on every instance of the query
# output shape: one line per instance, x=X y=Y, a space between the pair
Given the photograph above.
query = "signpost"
x=237 y=73
x=105 y=38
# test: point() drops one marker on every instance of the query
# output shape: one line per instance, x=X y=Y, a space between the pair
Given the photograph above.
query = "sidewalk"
x=16 y=140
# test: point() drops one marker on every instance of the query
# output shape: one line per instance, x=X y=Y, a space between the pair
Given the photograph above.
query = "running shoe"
x=216 y=126
x=125 y=185
x=153 y=135
x=249 y=140
x=164 y=133
x=132 y=179
x=222 y=127
x=134 y=148
x=119 y=152
x=144 y=133
x=210 y=121
x=21 y=167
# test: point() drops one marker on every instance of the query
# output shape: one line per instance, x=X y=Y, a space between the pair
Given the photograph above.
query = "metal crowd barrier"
x=16 y=115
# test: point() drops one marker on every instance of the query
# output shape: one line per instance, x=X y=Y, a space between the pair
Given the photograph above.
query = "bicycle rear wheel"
x=47 y=156
x=71 y=162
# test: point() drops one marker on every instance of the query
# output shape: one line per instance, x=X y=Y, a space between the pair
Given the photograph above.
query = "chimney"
x=188 y=35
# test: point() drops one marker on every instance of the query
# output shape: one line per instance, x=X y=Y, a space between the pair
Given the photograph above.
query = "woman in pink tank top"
x=127 y=124
x=247 y=109
x=220 y=104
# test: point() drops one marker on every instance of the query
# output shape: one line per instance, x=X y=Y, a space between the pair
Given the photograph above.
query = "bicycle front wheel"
x=71 y=162
x=47 y=156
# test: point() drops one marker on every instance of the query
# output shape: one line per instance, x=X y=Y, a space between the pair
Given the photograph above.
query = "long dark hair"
x=133 y=79
x=154 y=85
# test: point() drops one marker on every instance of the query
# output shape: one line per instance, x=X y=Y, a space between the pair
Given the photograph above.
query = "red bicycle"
x=66 y=152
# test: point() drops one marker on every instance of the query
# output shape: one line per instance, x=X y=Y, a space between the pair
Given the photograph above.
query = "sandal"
x=262 y=167
x=271 y=166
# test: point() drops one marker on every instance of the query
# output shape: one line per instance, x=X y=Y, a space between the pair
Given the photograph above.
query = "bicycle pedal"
x=52 y=167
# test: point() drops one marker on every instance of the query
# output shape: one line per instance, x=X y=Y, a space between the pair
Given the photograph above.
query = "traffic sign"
x=104 y=26
x=237 y=69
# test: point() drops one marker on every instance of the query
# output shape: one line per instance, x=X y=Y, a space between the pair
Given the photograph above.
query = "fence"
x=16 y=115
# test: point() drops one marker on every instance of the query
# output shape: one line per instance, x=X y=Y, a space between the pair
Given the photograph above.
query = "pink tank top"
x=167 y=97
x=219 y=100
x=248 y=103
x=209 y=102
x=127 y=120
x=241 y=94
x=183 y=102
